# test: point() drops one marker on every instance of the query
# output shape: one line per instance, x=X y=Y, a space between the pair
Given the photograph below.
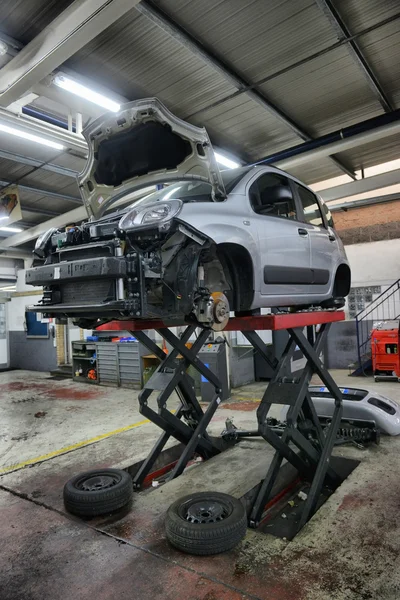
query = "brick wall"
x=60 y=344
x=369 y=223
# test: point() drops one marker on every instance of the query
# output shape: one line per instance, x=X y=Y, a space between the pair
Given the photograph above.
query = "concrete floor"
x=51 y=430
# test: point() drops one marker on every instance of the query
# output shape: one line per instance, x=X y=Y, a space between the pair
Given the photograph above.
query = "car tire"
x=334 y=303
x=206 y=523
x=98 y=492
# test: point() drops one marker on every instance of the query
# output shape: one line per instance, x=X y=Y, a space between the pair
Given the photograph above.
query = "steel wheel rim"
x=203 y=512
x=96 y=483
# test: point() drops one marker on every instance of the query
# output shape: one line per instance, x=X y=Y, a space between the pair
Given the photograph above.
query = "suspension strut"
x=357 y=432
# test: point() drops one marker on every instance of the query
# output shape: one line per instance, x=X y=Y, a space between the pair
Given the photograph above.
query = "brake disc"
x=220 y=311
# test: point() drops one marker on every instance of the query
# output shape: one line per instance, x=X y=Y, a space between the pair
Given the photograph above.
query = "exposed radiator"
x=88 y=292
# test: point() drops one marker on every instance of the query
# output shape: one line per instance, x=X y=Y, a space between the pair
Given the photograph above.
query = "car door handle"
x=302 y=231
x=332 y=237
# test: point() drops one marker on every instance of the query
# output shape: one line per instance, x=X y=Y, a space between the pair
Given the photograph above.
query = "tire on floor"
x=98 y=492
x=206 y=523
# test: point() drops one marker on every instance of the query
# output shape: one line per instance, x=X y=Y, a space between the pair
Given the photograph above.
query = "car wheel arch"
x=237 y=259
x=342 y=281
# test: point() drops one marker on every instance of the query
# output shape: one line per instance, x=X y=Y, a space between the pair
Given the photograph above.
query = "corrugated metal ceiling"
x=24 y=19
x=256 y=39
x=381 y=48
x=360 y=14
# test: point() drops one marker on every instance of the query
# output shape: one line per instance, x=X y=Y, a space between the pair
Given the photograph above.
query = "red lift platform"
x=303 y=443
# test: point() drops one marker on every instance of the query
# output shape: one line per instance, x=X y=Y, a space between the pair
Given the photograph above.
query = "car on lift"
x=207 y=243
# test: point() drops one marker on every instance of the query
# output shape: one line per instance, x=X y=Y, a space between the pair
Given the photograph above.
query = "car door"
x=322 y=239
x=285 y=257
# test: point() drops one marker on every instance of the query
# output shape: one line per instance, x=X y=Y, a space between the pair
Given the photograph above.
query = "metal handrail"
x=376 y=299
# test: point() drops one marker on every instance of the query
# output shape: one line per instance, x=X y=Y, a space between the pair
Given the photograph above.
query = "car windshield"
x=194 y=191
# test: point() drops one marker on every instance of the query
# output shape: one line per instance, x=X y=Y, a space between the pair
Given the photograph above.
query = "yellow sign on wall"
x=10 y=206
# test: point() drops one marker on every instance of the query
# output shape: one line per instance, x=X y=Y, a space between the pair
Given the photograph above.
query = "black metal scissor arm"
x=303 y=443
x=189 y=423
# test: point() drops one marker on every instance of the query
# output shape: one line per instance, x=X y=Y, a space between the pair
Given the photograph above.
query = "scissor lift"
x=302 y=443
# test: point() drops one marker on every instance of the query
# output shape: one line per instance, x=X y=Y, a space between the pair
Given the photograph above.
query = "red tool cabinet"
x=385 y=351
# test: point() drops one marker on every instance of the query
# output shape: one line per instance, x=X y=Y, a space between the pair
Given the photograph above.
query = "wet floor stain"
x=241 y=405
x=49 y=390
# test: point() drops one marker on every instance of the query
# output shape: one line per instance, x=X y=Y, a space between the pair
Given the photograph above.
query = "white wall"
x=374 y=263
x=16 y=308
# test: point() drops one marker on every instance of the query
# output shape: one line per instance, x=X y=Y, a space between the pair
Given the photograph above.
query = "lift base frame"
x=303 y=443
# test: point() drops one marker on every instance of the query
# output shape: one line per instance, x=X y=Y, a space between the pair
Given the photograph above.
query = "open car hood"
x=143 y=144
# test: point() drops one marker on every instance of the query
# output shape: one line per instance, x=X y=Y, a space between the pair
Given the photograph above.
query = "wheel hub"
x=220 y=311
x=206 y=512
x=99 y=482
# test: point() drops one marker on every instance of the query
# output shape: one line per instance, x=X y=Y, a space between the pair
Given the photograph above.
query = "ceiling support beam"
x=33 y=162
x=365 y=202
x=169 y=26
x=75 y=27
x=76 y=215
x=42 y=192
x=376 y=182
x=40 y=211
x=323 y=151
x=343 y=33
x=72 y=141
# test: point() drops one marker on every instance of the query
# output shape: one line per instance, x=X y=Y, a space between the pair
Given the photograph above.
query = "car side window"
x=311 y=209
x=271 y=195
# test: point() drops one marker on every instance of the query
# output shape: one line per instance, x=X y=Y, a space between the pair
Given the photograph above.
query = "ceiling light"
x=226 y=162
x=11 y=229
x=31 y=137
x=3 y=48
x=80 y=90
x=8 y=288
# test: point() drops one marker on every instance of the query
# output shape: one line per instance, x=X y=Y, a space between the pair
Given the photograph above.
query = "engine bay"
x=102 y=271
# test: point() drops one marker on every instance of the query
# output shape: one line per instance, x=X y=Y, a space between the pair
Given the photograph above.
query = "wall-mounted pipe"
x=342 y=139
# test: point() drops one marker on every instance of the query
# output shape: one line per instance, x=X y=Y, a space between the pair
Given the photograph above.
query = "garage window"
x=312 y=211
x=271 y=196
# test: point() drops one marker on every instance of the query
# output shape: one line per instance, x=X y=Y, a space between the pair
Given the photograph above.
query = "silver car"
x=207 y=243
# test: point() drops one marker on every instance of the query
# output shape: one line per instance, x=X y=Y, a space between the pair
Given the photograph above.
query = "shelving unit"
x=82 y=360
x=117 y=364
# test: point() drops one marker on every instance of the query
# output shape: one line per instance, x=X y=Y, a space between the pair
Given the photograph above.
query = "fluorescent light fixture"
x=80 y=90
x=11 y=229
x=30 y=136
x=226 y=162
x=3 y=48
x=8 y=288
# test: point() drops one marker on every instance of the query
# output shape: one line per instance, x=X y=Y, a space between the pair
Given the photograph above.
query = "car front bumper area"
x=101 y=287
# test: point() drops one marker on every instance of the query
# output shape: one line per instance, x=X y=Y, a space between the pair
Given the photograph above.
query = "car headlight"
x=42 y=242
x=157 y=213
